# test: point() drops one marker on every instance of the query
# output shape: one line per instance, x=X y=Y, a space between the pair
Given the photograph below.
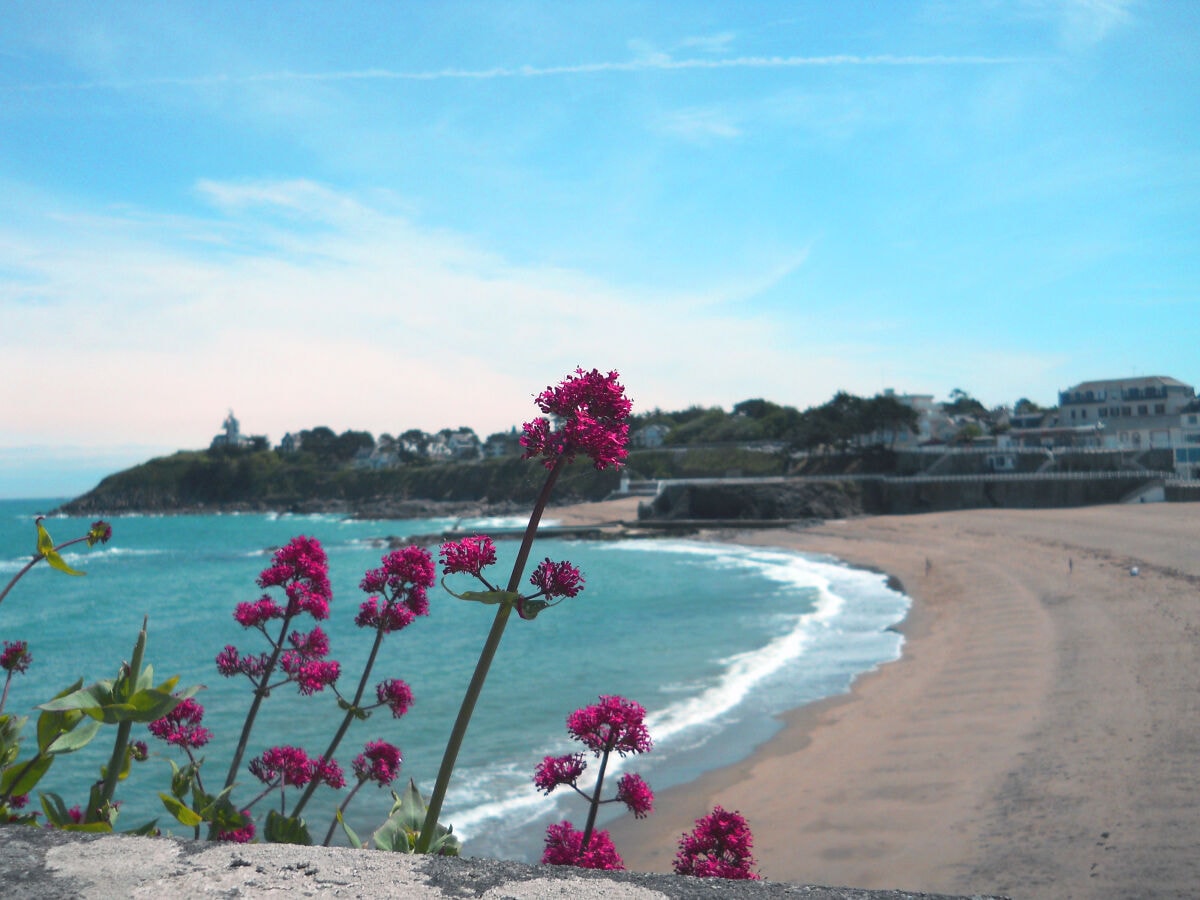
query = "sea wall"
x=802 y=498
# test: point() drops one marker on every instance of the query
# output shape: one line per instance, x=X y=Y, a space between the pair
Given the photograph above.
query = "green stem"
x=37 y=558
x=121 y=745
x=346 y=720
x=342 y=809
x=465 y=711
x=260 y=693
x=591 y=819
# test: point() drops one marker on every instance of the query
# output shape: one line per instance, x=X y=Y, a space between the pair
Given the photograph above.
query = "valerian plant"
x=75 y=716
x=719 y=846
x=614 y=725
x=300 y=571
x=585 y=414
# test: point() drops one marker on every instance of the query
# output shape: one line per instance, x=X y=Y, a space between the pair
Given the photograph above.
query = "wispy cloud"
x=653 y=62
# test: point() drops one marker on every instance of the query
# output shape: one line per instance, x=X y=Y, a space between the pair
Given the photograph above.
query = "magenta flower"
x=554 y=771
x=181 y=726
x=75 y=814
x=18 y=801
x=404 y=577
x=564 y=847
x=718 y=847
x=292 y=766
x=379 y=762
x=99 y=533
x=612 y=725
x=230 y=663
x=310 y=675
x=589 y=410
x=15 y=658
x=391 y=617
x=396 y=695
x=243 y=835
x=254 y=615
x=469 y=556
x=302 y=570
x=636 y=795
x=556 y=579
x=313 y=645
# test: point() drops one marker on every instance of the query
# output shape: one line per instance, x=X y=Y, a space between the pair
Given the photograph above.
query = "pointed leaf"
x=57 y=562
x=22 y=776
x=79 y=736
x=280 y=829
x=491 y=598
x=354 y=839
x=183 y=814
x=45 y=544
x=150 y=829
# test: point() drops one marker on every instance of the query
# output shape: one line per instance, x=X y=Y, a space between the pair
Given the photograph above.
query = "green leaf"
x=402 y=829
x=55 y=809
x=531 y=608
x=183 y=814
x=150 y=829
x=354 y=839
x=280 y=829
x=83 y=699
x=491 y=598
x=21 y=777
x=45 y=546
x=79 y=736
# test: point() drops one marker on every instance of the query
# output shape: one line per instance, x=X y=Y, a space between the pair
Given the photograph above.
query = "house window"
x=1127 y=410
x=1160 y=409
x=1104 y=412
x=1141 y=409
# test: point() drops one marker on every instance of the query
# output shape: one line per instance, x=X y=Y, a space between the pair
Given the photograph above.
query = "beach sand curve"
x=1039 y=736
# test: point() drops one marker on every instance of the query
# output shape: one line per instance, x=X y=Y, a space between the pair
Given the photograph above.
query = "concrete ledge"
x=54 y=865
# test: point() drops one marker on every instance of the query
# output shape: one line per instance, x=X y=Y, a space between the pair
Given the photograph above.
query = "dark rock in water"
x=727 y=501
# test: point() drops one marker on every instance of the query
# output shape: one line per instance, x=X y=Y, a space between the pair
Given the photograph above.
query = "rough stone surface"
x=55 y=865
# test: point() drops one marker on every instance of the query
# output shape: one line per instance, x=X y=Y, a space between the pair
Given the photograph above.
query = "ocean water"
x=714 y=640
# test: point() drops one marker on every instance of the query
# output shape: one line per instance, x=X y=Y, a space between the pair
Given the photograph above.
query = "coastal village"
x=1131 y=415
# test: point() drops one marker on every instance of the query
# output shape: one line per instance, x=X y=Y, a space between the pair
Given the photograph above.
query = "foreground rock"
x=53 y=865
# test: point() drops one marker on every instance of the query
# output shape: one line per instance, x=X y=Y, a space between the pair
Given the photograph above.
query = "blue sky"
x=395 y=215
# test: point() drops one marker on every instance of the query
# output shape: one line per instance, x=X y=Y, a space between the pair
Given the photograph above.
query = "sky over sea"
x=385 y=216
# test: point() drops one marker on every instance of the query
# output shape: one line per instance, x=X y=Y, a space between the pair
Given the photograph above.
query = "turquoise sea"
x=714 y=640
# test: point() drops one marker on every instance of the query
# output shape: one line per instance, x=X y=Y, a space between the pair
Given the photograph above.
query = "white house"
x=1133 y=413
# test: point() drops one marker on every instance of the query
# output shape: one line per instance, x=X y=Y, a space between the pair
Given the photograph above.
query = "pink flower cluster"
x=292 y=766
x=564 y=847
x=181 y=726
x=396 y=695
x=559 y=579
x=556 y=771
x=636 y=795
x=15 y=658
x=589 y=410
x=612 y=725
x=470 y=556
x=99 y=533
x=718 y=847
x=403 y=581
x=302 y=570
x=379 y=762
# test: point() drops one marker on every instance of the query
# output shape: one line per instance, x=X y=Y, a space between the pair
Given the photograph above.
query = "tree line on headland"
x=407 y=474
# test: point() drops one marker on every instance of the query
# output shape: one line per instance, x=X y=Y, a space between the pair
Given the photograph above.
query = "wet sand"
x=1040 y=736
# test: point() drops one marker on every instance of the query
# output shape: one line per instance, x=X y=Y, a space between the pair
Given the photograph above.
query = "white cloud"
x=355 y=317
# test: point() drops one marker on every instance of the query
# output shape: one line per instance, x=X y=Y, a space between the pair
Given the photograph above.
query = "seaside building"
x=231 y=436
x=1132 y=413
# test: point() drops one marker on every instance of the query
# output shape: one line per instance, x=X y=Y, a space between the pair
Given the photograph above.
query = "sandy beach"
x=1038 y=738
